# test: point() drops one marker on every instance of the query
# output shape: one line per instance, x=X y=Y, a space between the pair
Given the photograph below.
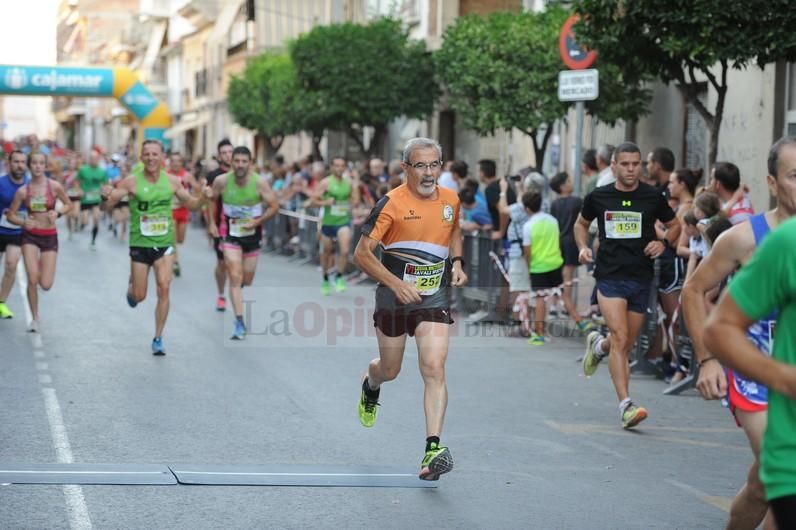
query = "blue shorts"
x=330 y=231
x=637 y=293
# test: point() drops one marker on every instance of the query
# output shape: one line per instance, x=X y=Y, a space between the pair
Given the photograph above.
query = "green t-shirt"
x=91 y=180
x=541 y=234
x=339 y=213
x=766 y=283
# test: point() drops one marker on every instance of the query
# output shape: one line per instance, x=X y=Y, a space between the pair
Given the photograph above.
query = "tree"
x=264 y=99
x=685 y=42
x=354 y=75
x=501 y=72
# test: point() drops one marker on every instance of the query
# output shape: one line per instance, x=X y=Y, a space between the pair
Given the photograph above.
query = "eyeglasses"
x=422 y=167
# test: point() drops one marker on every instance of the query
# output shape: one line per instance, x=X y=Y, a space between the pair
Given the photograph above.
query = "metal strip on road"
x=94 y=474
x=298 y=475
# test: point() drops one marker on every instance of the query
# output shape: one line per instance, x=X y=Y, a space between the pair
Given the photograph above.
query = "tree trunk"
x=316 y=147
x=539 y=150
x=376 y=147
x=715 y=127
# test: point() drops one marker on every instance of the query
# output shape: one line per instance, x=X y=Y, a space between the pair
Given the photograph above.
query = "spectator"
x=565 y=209
x=475 y=215
x=487 y=174
x=376 y=171
x=726 y=183
x=540 y=243
x=604 y=156
x=588 y=166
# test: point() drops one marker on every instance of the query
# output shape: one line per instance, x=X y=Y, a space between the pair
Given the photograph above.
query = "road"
x=536 y=444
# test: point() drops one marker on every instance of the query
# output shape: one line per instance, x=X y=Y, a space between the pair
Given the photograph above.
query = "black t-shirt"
x=492 y=193
x=211 y=176
x=626 y=221
x=565 y=210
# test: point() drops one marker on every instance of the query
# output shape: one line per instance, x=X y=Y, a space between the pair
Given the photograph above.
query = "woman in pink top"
x=39 y=234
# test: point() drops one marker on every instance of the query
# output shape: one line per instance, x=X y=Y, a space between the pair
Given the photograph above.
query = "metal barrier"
x=640 y=365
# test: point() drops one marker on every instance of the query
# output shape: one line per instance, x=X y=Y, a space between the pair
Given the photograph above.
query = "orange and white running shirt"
x=415 y=237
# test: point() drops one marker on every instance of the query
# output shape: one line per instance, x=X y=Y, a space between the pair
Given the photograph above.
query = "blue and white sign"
x=42 y=80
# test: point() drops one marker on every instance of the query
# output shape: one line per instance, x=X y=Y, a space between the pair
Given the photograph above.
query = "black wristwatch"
x=457 y=258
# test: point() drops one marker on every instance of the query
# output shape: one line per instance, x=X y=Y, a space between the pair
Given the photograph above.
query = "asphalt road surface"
x=536 y=444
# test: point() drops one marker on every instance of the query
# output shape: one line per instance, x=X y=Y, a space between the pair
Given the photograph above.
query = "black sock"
x=94 y=234
x=431 y=440
x=325 y=276
x=239 y=319
x=374 y=394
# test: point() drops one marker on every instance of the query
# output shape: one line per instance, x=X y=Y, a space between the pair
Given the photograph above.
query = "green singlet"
x=151 y=224
x=338 y=213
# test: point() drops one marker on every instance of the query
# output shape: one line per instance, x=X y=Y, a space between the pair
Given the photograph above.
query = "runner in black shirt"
x=626 y=212
x=224 y=158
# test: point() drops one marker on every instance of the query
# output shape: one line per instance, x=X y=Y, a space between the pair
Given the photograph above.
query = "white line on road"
x=45 y=379
x=42 y=366
x=252 y=474
x=76 y=508
x=68 y=472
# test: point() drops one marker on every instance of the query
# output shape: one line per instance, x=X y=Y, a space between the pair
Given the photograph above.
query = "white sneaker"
x=34 y=326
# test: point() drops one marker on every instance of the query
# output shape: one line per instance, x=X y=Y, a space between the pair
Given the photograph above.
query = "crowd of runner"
x=646 y=229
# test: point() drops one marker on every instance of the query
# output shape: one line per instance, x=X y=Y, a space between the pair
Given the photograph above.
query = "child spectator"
x=542 y=251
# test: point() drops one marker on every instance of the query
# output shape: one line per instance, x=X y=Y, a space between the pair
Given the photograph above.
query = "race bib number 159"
x=623 y=225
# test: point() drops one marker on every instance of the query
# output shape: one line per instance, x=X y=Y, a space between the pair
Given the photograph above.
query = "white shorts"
x=519 y=278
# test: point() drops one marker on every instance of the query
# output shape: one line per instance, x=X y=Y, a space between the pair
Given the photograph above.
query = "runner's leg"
x=30 y=255
x=12 y=255
x=162 y=268
x=432 y=346
x=233 y=257
x=47 y=269
x=749 y=506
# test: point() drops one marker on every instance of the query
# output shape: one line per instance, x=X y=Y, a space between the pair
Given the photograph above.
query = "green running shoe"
x=592 y=359
x=339 y=285
x=367 y=407
x=585 y=326
x=438 y=460
x=326 y=289
x=633 y=415
x=5 y=312
x=536 y=340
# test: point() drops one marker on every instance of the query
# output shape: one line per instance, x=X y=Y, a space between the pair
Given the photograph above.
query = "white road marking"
x=76 y=509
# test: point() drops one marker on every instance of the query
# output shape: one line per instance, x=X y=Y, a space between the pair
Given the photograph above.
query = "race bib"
x=38 y=204
x=154 y=225
x=237 y=228
x=427 y=278
x=623 y=225
x=92 y=196
x=340 y=210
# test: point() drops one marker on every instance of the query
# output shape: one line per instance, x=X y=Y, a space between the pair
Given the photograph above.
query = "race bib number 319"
x=427 y=278
x=623 y=225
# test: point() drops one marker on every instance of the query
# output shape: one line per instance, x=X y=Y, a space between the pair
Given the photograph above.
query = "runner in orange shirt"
x=417 y=227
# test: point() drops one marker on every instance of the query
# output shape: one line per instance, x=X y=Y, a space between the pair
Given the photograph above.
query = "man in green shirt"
x=766 y=283
x=151 y=191
x=91 y=177
x=337 y=194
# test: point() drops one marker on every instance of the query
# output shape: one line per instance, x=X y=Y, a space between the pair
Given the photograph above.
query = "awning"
x=186 y=125
x=152 y=50
x=225 y=20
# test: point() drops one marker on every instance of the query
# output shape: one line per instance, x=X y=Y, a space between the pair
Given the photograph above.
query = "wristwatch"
x=457 y=258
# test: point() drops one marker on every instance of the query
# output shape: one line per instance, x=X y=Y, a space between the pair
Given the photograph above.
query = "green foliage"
x=354 y=75
x=688 y=41
x=263 y=99
x=666 y=38
x=501 y=72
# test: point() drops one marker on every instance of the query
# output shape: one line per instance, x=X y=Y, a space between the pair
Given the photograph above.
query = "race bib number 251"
x=623 y=225
x=427 y=278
